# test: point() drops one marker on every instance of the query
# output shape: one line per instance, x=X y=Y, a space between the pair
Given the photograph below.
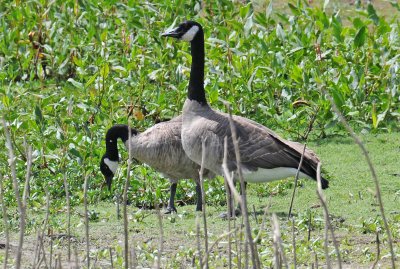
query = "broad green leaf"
x=294 y=9
x=360 y=37
x=104 y=71
x=373 y=115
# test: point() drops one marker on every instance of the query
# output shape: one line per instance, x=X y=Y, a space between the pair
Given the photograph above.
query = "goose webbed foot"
x=170 y=210
x=224 y=215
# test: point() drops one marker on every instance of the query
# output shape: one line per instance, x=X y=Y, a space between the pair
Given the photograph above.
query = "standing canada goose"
x=160 y=147
x=264 y=155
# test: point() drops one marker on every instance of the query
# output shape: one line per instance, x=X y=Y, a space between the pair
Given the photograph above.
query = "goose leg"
x=238 y=210
x=233 y=213
x=199 y=205
x=171 y=203
x=230 y=212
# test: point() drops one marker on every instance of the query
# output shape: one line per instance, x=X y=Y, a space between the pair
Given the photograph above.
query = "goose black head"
x=108 y=169
x=186 y=31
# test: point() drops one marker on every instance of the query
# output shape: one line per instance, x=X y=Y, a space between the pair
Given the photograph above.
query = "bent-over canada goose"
x=264 y=155
x=160 y=147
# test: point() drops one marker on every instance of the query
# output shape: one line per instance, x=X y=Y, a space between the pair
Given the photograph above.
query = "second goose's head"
x=109 y=161
x=186 y=31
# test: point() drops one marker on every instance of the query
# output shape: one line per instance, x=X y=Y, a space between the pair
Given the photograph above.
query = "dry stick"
x=228 y=202
x=262 y=224
x=43 y=231
x=125 y=205
x=51 y=252
x=278 y=240
x=111 y=258
x=198 y=240
x=294 y=245
x=255 y=260
x=36 y=255
x=220 y=238
x=5 y=220
x=86 y=220
x=296 y=178
x=133 y=258
x=230 y=189
x=43 y=257
x=326 y=213
x=21 y=202
x=328 y=262
x=378 y=250
x=160 y=248
x=371 y=168
x=203 y=201
x=76 y=261
x=68 y=213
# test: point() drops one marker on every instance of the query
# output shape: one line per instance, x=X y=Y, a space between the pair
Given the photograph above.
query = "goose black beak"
x=172 y=33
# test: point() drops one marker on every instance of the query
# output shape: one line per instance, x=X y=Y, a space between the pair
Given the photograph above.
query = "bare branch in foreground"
x=86 y=213
x=253 y=253
x=328 y=225
x=125 y=204
x=5 y=220
x=278 y=244
x=373 y=173
x=198 y=240
x=203 y=201
x=68 y=212
x=161 y=245
x=20 y=201
x=296 y=178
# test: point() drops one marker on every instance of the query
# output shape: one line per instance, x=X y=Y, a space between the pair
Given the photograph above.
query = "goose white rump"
x=267 y=175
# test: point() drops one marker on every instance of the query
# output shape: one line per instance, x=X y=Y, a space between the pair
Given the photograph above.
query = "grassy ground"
x=351 y=200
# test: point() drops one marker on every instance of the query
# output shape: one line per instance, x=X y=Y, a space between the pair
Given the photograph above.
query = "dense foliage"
x=71 y=69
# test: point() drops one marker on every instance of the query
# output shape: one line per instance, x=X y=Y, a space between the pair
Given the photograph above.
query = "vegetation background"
x=71 y=69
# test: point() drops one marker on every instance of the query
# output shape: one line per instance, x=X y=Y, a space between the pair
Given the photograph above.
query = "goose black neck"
x=120 y=131
x=196 y=85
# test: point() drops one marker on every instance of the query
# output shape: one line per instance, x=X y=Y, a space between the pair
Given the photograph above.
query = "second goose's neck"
x=115 y=132
x=196 y=84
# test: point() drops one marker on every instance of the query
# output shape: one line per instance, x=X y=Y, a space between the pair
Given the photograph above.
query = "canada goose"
x=264 y=155
x=160 y=147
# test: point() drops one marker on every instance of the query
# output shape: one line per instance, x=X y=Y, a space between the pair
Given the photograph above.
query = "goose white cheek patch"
x=113 y=165
x=189 y=35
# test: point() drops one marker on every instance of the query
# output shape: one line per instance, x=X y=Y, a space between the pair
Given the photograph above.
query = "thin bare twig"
x=371 y=168
x=294 y=245
x=161 y=245
x=229 y=203
x=326 y=214
x=220 y=238
x=198 y=239
x=378 y=250
x=111 y=257
x=125 y=204
x=203 y=201
x=5 y=220
x=253 y=253
x=296 y=178
x=68 y=213
x=20 y=201
x=86 y=220
x=278 y=244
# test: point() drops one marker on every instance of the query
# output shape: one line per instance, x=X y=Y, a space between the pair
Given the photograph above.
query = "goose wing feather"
x=259 y=146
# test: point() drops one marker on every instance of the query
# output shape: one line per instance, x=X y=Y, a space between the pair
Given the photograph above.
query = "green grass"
x=351 y=201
